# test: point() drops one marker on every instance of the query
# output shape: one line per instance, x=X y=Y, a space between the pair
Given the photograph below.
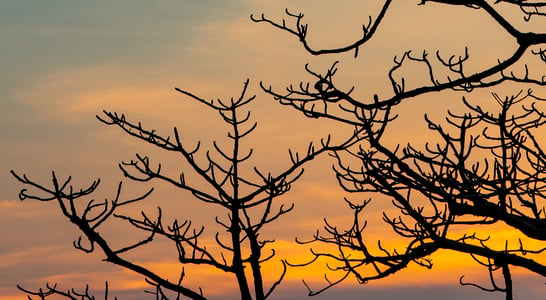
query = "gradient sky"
x=65 y=61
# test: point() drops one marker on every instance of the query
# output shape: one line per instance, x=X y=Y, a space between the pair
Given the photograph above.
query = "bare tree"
x=73 y=294
x=488 y=167
x=249 y=201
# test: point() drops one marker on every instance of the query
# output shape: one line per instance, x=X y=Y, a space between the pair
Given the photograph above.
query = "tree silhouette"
x=487 y=168
x=249 y=201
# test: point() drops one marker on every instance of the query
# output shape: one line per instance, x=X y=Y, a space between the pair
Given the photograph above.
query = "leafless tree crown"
x=250 y=203
x=487 y=169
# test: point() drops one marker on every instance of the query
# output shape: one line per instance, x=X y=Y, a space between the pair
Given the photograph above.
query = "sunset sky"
x=64 y=61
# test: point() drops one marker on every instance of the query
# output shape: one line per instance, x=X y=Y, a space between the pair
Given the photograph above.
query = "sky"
x=65 y=61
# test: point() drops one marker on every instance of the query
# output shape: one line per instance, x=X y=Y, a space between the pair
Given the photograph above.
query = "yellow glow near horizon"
x=64 y=63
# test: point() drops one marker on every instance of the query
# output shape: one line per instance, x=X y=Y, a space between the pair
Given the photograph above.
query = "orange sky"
x=65 y=62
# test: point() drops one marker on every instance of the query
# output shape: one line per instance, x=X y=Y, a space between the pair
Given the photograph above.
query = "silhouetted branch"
x=51 y=290
x=489 y=167
x=300 y=30
x=250 y=203
x=506 y=186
